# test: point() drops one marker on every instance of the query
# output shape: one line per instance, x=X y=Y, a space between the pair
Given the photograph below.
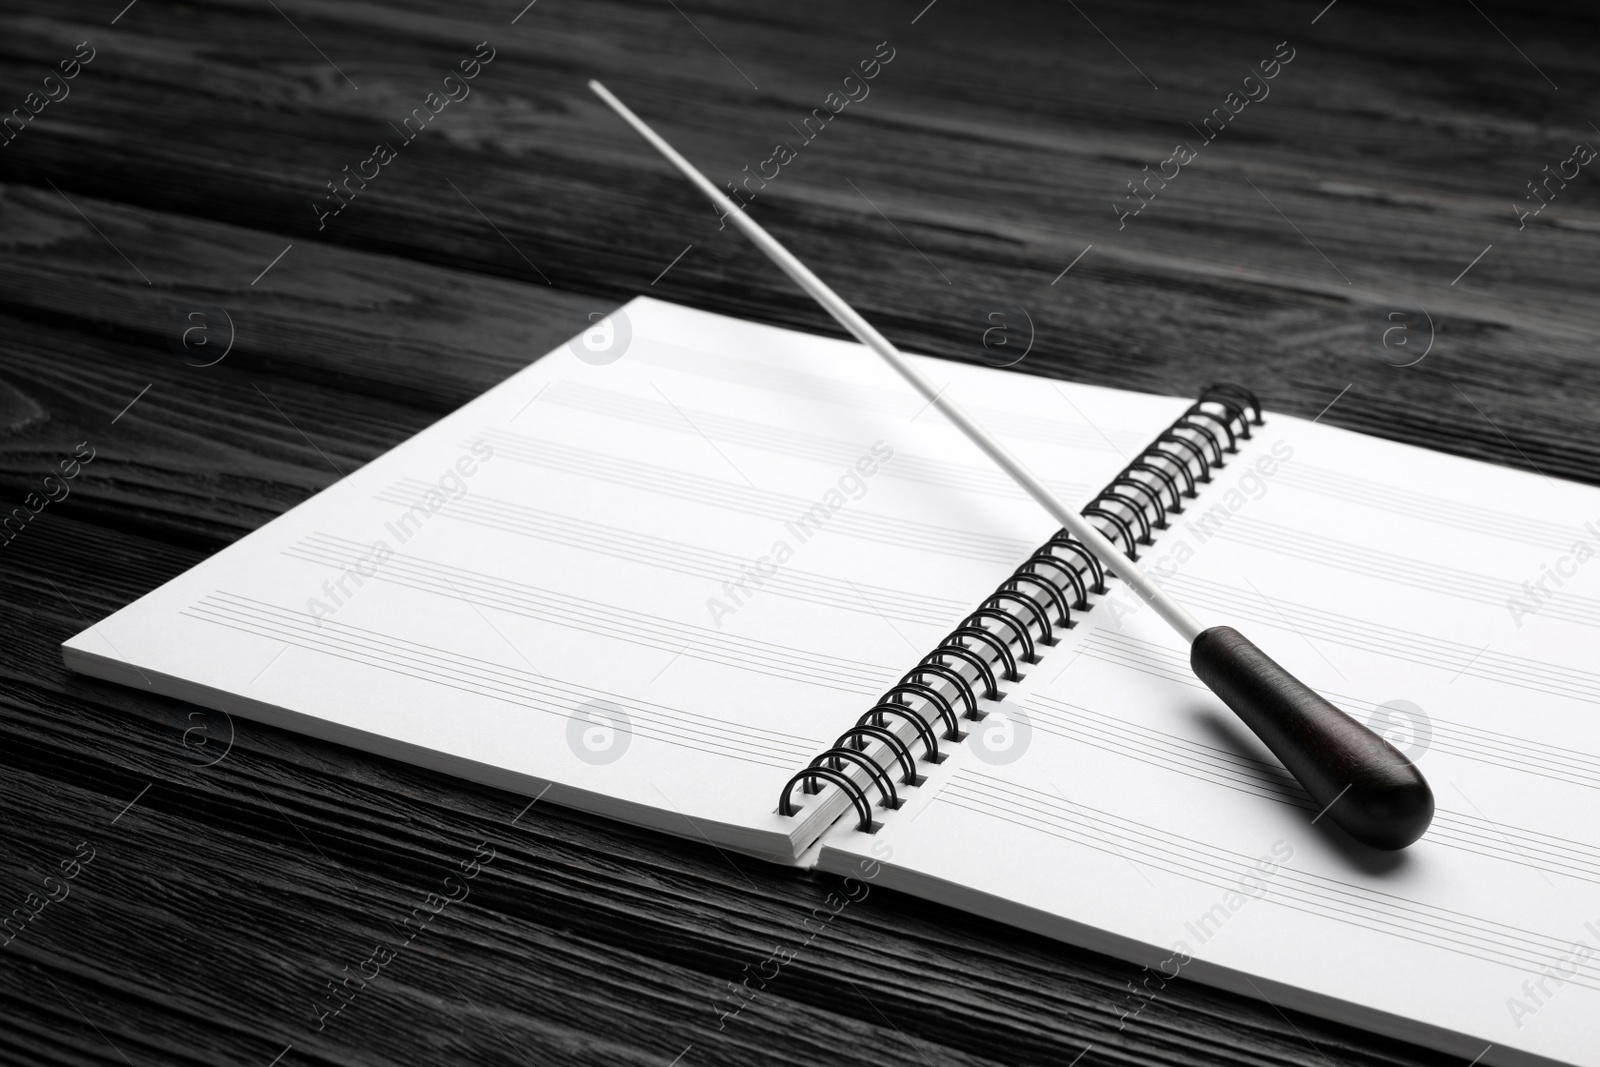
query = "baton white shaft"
x=863 y=331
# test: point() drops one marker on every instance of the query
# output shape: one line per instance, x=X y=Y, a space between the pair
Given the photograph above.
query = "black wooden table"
x=178 y=298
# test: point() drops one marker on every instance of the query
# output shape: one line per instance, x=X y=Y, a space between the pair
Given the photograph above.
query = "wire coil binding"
x=1065 y=574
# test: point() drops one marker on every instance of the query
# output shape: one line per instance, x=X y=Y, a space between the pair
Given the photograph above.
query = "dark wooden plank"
x=997 y=140
x=998 y=145
x=313 y=384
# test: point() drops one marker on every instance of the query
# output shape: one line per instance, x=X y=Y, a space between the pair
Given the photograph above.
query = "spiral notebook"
x=739 y=584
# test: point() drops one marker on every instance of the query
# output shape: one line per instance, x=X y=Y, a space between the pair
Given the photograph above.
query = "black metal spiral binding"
x=1238 y=393
x=1145 y=490
x=1187 y=423
x=1176 y=506
x=930 y=741
x=1064 y=573
x=955 y=678
x=947 y=710
x=1066 y=541
x=902 y=751
x=1194 y=450
x=1029 y=569
x=990 y=639
x=1064 y=614
x=1094 y=510
x=1016 y=626
x=835 y=757
x=1031 y=606
x=991 y=688
x=847 y=784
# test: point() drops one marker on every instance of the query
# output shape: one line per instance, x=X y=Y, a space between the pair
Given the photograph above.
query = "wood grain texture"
x=1391 y=152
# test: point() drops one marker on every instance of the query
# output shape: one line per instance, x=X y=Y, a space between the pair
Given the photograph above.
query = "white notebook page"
x=1137 y=816
x=485 y=598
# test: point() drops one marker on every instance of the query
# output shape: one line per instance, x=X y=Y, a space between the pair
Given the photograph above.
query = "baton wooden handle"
x=1363 y=783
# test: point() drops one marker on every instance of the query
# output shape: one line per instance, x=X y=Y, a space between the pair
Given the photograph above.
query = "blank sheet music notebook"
x=740 y=584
